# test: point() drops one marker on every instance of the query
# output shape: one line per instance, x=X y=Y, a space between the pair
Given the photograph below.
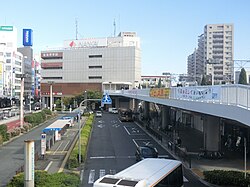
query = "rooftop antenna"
x=76 y=28
x=114 y=28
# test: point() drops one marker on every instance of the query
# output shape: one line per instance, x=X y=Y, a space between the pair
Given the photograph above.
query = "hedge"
x=43 y=179
x=227 y=178
x=73 y=161
x=3 y=132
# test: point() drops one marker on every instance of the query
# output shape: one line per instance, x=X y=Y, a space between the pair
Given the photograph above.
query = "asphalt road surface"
x=12 y=154
x=112 y=148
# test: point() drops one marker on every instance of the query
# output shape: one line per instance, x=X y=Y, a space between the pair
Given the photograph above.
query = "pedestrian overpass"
x=212 y=105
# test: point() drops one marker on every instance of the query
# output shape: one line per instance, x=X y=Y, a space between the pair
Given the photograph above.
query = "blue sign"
x=27 y=37
x=106 y=99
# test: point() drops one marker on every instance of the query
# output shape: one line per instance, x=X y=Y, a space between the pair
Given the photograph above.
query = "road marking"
x=47 y=168
x=81 y=175
x=135 y=143
x=101 y=157
x=185 y=179
x=112 y=172
x=58 y=148
x=91 y=176
x=126 y=130
x=101 y=173
x=65 y=146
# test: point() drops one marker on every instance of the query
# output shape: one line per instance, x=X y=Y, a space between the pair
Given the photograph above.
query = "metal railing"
x=234 y=94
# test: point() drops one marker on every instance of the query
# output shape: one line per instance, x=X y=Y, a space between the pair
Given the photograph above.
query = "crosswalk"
x=96 y=174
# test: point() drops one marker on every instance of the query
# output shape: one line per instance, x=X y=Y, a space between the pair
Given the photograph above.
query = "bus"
x=150 y=172
x=125 y=114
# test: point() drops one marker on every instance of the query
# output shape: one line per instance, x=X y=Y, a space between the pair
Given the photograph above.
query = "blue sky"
x=168 y=29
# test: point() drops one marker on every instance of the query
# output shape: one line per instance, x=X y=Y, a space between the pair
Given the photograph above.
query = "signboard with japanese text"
x=27 y=37
x=159 y=92
x=43 y=144
x=207 y=93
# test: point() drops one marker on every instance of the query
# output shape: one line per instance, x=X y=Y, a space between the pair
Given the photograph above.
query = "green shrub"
x=73 y=161
x=43 y=179
x=47 y=111
x=228 y=178
x=3 y=132
x=1 y=139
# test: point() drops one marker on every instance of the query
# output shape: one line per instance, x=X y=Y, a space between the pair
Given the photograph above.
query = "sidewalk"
x=192 y=141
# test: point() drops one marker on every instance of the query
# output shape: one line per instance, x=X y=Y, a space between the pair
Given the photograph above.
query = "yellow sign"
x=159 y=92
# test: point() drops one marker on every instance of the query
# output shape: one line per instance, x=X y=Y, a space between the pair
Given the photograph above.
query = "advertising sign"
x=43 y=144
x=159 y=92
x=27 y=37
x=6 y=28
x=88 y=42
x=207 y=93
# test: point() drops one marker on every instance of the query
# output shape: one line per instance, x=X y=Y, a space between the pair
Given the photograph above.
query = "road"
x=12 y=154
x=112 y=149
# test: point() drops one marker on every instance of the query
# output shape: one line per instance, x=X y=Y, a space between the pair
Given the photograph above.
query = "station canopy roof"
x=57 y=125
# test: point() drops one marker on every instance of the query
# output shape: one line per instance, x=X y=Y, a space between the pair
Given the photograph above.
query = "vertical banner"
x=1 y=79
x=43 y=144
x=29 y=165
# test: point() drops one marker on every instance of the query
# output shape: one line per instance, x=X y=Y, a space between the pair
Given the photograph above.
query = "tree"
x=243 y=77
x=159 y=83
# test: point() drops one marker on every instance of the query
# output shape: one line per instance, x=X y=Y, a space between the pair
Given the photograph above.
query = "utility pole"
x=79 y=143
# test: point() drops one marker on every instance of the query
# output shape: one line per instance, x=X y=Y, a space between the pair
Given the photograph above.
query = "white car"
x=114 y=111
x=98 y=114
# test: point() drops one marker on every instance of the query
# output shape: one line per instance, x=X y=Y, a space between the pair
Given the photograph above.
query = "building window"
x=95 y=67
x=8 y=60
x=52 y=77
x=8 y=54
x=95 y=77
x=95 y=56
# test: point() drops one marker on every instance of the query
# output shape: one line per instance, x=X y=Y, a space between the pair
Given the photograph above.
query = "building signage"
x=43 y=144
x=27 y=37
x=86 y=43
x=159 y=92
x=207 y=93
x=6 y=28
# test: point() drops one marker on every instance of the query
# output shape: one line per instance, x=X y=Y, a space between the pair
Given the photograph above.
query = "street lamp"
x=22 y=76
x=51 y=102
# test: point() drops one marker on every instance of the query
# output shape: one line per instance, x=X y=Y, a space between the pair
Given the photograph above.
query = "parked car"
x=98 y=114
x=145 y=152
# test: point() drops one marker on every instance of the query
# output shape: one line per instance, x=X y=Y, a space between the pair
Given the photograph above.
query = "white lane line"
x=135 y=143
x=58 y=148
x=81 y=175
x=126 y=130
x=185 y=179
x=112 y=172
x=91 y=176
x=47 y=168
x=101 y=173
x=101 y=157
x=65 y=146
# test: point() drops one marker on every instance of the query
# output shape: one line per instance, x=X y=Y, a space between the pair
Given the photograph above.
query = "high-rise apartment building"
x=10 y=63
x=218 y=52
x=214 y=55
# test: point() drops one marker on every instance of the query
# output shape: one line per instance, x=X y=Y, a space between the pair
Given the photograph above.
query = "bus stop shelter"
x=58 y=128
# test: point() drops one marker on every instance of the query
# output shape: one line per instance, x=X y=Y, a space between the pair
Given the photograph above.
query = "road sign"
x=106 y=99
